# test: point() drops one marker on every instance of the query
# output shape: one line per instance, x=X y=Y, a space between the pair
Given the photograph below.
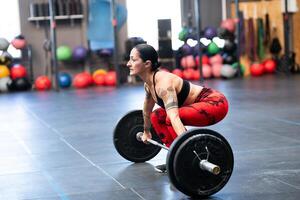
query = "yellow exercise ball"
x=99 y=71
x=4 y=71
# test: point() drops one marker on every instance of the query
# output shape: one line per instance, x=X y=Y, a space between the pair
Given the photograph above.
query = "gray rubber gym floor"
x=59 y=145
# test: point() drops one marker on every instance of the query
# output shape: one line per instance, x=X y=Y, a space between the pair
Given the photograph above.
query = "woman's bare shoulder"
x=167 y=78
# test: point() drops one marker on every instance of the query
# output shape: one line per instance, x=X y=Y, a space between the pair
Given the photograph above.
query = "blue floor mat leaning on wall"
x=100 y=30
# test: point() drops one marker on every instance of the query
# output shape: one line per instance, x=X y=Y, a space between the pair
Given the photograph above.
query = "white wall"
x=10 y=22
x=143 y=16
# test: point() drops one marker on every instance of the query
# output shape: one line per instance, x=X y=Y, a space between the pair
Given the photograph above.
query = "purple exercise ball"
x=79 y=53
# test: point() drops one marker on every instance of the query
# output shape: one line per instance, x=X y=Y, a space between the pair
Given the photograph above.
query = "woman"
x=181 y=102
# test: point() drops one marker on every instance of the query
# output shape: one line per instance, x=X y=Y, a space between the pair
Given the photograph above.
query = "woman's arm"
x=169 y=98
x=147 y=109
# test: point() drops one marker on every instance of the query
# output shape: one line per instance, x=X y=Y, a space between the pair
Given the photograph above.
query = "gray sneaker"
x=161 y=168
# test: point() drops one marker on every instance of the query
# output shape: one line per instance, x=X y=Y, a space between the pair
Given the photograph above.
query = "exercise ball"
x=188 y=74
x=257 y=69
x=18 y=71
x=99 y=79
x=107 y=52
x=183 y=34
x=228 y=24
x=81 y=80
x=202 y=47
x=4 y=84
x=178 y=72
x=213 y=49
x=227 y=71
x=42 y=83
x=225 y=34
x=186 y=49
x=19 y=42
x=111 y=78
x=6 y=59
x=210 y=32
x=229 y=59
x=3 y=44
x=20 y=84
x=216 y=59
x=79 y=53
x=242 y=67
x=205 y=60
x=190 y=61
x=183 y=62
x=206 y=71
x=4 y=71
x=216 y=70
x=65 y=80
x=269 y=66
x=196 y=74
x=88 y=77
x=63 y=53
x=99 y=71
x=229 y=46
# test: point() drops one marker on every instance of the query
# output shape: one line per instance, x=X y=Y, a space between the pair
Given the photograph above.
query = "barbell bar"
x=204 y=163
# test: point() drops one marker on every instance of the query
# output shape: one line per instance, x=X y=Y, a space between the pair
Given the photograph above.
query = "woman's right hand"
x=146 y=136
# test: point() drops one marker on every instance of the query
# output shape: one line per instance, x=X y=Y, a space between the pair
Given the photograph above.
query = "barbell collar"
x=210 y=167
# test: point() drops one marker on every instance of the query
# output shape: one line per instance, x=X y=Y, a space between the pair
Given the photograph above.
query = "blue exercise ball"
x=65 y=80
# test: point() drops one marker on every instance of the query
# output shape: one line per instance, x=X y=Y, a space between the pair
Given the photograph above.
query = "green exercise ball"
x=213 y=49
x=235 y=66
x=63 y=53
x=182 y=36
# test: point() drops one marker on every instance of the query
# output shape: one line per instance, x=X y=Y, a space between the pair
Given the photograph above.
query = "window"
x=143 y=16
x=10 y=23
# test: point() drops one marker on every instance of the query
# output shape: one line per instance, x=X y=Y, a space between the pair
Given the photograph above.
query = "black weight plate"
x=183 y=165
x=125 y=138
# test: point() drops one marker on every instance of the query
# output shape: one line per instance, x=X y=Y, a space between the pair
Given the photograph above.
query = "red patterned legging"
x=209 y=108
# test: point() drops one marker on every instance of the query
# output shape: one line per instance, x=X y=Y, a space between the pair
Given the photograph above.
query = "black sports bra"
x=181 y=96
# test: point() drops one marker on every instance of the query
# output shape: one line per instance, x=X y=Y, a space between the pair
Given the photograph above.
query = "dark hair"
x=147 y=52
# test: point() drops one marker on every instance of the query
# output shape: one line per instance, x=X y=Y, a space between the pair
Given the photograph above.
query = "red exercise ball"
x=89 y=77
x=269 y=66
x=228 y=24
x=18 y=43
x=190 y=61
x=42 y=83
x=257 y=69
x=183 y=62
x=81 y=80
x=216 y=70
x=196 y=75
x=207 y=71
x=18 y=71
x=177 y=72
x=205 y=60
x=216 y=59
x=188 y=74
x=111 y=78
x=99 y=79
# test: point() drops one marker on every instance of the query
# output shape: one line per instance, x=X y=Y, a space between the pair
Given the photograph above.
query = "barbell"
x=199 y=162
x=203 y=163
